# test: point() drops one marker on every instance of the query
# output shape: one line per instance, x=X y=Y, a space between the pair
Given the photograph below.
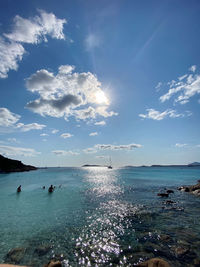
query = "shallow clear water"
x=99 y=217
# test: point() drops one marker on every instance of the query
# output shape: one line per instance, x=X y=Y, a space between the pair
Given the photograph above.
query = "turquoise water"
x=99 y=217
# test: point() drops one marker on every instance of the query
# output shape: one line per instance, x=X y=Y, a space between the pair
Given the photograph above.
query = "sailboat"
x=110 y=165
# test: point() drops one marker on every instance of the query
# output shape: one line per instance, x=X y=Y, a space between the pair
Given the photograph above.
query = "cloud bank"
x=17 y=151
x=98 y=147
x=27 y=31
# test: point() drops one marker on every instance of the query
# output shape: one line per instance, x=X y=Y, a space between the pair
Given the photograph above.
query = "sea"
x=99 y=217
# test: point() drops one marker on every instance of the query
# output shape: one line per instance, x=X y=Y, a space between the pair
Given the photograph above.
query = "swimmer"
x=51 y=188
x=19 y=189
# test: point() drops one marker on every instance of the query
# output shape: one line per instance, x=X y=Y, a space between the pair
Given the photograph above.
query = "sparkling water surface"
x=99 y=216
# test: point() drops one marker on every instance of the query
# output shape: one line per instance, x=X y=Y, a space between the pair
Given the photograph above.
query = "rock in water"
x=155 y=262
x=15 y=255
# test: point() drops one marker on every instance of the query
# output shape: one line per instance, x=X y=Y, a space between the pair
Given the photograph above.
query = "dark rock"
x=162 y=194
x=42 y=250
x=10 y=165
x=169 y=191
x=15 y=255
x=155 y=262
x=187 y=189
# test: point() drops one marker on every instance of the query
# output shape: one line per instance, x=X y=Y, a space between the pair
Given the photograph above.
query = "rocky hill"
x=10 y=165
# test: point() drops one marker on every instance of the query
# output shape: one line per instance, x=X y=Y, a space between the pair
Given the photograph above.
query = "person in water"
x=19 y=189
x=51 y=188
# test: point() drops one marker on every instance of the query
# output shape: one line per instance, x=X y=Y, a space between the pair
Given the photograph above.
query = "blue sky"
x=82 y=81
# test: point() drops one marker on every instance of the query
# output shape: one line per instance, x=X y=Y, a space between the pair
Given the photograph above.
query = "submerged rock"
x=42 y=250
x=165 y=238
x=196 y=262
x=155 y=262
x=169 y=202
x=169 y=191
x=180 y=251
x=15 y=255
x=163 y=194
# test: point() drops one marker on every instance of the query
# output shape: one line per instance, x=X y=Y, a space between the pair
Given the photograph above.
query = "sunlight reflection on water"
x=99 y=241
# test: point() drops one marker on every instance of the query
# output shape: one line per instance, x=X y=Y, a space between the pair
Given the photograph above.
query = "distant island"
x=10 y=165
x=194 y=164
x=93 y=165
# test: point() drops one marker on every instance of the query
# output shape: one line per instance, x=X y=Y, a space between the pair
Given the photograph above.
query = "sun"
x=101 y=98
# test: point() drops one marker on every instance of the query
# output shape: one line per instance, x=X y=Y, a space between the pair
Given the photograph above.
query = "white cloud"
x=180 y=145
x=32 y=31
x=98 y=147
x=7 y=118
x=90 y=150
x=158 y=86
x=17 y=151
x=193 y=68
x=92 y=41
x=93 y=134
x=66 y=135
x=186 y=87
x=44 y=134
x=54 y=131
x=100 y=123
x=117 y=147
x=182 y=77
x=68 y=94
x=31 y=126
x=157 y=115
x=10 y=54
x=101 y=157
x=64 y=152
x=12 y=140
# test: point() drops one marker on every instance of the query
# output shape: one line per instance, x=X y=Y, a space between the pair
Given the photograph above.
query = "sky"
x=82 y=81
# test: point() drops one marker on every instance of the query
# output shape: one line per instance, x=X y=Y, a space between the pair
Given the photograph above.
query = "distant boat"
x=110 y=164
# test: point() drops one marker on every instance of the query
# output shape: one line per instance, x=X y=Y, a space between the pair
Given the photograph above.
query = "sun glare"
x=101 y=98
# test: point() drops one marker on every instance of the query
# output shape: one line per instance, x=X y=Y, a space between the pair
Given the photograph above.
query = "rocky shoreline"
x=193 y=189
